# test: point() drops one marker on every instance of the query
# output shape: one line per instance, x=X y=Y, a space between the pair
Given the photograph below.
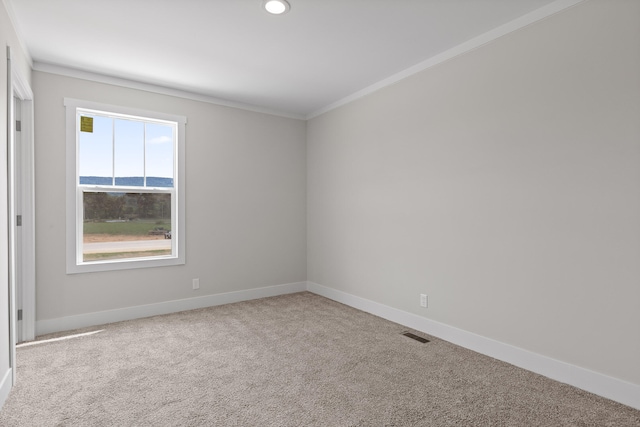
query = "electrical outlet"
x=196 y=284
x=424 y=302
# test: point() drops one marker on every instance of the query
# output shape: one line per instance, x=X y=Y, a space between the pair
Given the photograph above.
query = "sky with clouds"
x=126 y=148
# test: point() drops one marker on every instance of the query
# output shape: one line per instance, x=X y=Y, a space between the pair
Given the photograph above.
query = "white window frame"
x=75 y=209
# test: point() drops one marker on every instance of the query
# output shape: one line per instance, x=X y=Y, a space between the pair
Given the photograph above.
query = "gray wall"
x=504 y=183
x=245 y=203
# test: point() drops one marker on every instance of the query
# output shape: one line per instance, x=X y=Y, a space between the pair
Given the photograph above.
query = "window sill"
x=124 y=264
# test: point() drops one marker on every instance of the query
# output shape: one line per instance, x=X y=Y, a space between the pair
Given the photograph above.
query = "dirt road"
x=126 y=246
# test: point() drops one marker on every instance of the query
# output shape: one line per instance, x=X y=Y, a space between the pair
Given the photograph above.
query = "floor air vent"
x=415 y=337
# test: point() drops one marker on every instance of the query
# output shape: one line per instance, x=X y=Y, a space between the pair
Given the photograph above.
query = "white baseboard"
x=600 y=384
x=69 y=323
x=5 y=386
x=593 y=382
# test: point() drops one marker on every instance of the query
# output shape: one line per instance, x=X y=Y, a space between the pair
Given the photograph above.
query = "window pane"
x=159 y=155
x=96 y=153
x=129 y=153
x=126 y=225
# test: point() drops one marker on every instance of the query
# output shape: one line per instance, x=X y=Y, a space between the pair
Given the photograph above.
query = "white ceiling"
x=319 y=53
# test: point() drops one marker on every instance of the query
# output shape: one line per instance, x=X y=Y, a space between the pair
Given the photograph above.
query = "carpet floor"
x=291 y=360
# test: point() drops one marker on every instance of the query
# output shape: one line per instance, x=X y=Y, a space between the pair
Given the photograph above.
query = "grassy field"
x=131 y=228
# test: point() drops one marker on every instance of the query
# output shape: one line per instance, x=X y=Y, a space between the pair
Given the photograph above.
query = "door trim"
x=22 y=91
x=18 y=87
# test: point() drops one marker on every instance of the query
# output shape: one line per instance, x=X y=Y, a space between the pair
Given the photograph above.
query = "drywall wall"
x=503 y=183
x=20 y=63
x=245 y=203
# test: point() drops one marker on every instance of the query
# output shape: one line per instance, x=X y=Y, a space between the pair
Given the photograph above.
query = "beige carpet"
x=293 y=360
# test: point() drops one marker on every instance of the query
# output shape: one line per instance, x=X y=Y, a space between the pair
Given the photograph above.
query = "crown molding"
x=148 y=87
x=474 y=43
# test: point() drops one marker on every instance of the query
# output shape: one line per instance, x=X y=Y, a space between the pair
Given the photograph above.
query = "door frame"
x=19 y=88
x=23 y=92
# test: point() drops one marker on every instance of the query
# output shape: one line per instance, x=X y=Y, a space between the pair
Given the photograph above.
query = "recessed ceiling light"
x=276 y=7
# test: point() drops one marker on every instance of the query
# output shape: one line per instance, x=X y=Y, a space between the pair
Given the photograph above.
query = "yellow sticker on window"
x=86 y=124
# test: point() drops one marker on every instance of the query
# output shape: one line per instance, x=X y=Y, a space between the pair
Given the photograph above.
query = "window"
x=125 y=188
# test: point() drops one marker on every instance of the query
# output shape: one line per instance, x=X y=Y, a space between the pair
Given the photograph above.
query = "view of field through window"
x=126 y=179
x=126 y=225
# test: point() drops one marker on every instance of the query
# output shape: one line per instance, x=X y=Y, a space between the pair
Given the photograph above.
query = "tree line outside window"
x=101 y=206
